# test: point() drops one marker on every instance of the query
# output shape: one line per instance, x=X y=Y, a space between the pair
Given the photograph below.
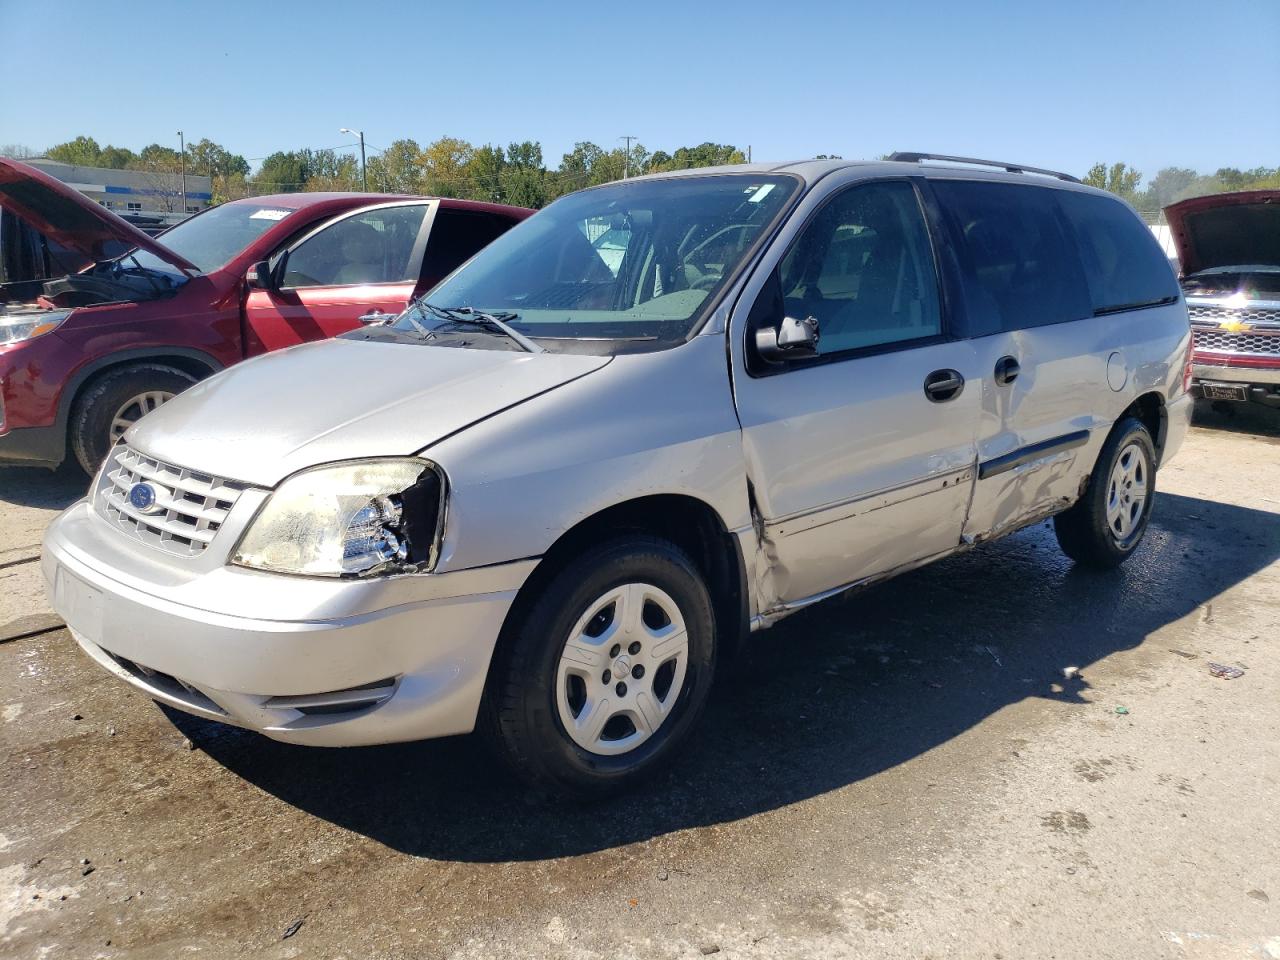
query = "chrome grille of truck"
x=189 y=507
x=1221 y=341
x=1216 y=314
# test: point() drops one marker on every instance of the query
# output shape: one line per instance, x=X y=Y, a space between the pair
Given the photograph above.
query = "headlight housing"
x=16 y=327
x=362 y=518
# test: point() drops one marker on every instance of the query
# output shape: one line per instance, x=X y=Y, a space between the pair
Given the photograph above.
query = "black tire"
x=1083 y=531
x=522 y=721
x=89 y=431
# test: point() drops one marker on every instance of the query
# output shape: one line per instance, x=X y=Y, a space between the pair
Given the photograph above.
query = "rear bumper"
x=328 y=667
x=1177 y=423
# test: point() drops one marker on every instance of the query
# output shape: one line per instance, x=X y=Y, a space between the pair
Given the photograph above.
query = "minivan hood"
x=343 y=399
x=71 y=218
x=1227 y=230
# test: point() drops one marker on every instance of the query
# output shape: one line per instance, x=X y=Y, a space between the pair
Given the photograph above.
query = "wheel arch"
x=691 y=524
x=197 y=363
x=1149 y=409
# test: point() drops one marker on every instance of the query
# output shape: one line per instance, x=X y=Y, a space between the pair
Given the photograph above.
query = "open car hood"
x=71 y=218
x=1227 y=230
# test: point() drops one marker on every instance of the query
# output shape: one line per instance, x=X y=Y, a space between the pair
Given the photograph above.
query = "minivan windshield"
x=635 y=261
x=212 y=239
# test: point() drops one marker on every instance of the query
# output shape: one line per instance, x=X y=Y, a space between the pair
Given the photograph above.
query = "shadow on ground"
x=1253 y=418
x=40 y=488
x=834 y=695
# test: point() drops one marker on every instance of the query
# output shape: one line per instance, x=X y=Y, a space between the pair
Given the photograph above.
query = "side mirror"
x=260 y=277
x=791 y=339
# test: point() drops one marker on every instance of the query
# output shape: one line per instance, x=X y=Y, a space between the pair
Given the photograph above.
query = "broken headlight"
x=362 y=518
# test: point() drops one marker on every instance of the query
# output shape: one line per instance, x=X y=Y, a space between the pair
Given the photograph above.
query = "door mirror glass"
x=791 y=339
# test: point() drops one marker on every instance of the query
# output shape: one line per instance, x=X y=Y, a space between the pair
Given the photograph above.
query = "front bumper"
x=303 y=660
x=1261 y=384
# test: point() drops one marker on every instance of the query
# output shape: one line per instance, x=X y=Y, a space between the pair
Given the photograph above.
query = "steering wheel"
x=706 y=282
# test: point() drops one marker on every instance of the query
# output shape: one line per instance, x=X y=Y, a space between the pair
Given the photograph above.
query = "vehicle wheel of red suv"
x=111 y=404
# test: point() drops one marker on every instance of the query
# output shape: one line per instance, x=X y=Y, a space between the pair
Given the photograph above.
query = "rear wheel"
x=606 y=674
x=114 y=402
x=1105 y=526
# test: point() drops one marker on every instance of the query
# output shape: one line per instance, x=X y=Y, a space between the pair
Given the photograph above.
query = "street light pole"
x=182 y=161
x=364 y=175
x=626 y=169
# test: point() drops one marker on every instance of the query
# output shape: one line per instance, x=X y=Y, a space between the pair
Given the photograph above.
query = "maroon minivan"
x=85 y=355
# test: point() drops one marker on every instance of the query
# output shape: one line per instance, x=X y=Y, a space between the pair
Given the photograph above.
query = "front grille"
x=1202 y=311
x=189 y=507
x=1255 y=344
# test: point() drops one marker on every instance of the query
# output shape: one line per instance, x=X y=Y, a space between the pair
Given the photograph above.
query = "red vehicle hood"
x=71 y=218
x=1227 y=230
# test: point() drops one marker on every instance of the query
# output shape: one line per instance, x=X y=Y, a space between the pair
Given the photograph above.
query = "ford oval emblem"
x=143 y=497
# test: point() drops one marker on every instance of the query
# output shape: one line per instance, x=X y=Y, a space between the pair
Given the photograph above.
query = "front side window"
x=1021 y=267
x=1123 y=261
x=371 y=247
x=636 y=262
x=864 y=269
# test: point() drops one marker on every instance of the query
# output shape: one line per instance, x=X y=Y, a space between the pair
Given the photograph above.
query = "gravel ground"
x=905 y=773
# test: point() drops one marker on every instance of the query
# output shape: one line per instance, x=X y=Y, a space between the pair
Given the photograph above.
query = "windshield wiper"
x=496 y=321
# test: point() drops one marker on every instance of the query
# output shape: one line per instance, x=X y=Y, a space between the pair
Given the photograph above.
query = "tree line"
x=1171 y=184
x=448 y=167
x=518 y=173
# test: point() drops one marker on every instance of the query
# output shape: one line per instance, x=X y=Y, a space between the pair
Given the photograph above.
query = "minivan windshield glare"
x=631 y=261
x=212 y=239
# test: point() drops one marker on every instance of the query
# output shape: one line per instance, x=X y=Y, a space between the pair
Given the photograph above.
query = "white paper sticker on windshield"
x=761 y=193
x=268 y=214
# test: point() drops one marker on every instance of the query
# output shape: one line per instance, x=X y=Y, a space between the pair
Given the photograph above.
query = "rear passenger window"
x=1021 y=267
x=864 y=269
x=1124 y=263
x=456 y=236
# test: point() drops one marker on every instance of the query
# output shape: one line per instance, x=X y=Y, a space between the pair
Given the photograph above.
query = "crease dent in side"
x=1030 y=493
x=768 y=574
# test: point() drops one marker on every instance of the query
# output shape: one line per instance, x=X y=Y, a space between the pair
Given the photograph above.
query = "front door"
x=861 y=459
x=360 y=264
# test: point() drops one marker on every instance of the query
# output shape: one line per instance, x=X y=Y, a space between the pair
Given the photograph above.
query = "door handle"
x=1007 y=370
x=375 y=317
x=943 y=385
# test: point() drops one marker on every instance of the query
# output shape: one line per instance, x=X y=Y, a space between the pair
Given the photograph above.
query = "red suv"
x=98 y=348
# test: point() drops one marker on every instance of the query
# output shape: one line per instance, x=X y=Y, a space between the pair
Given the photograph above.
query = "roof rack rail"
x=1010 y=167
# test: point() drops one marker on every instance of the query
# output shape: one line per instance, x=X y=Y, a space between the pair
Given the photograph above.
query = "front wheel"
x=604 y=676
x=1106 y=524
x=115 y=402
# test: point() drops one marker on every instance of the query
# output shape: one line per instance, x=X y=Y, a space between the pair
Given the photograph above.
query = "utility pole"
x=364 y=175
x=626 y=170
x=748 y=153
x=182 y=162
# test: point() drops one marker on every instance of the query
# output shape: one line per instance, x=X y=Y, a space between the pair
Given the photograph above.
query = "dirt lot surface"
x=906 y=773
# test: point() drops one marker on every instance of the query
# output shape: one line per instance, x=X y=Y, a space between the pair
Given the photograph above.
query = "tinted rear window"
x=1124 y=263
x=1021 y=267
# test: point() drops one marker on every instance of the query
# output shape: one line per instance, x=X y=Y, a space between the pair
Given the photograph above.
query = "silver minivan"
x=554 y=495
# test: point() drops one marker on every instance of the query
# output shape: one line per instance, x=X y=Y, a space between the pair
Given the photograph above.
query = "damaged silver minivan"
x=552 y=496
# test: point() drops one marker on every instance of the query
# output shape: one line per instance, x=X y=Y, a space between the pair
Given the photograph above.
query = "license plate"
x=79 y=604
x=1224 y=391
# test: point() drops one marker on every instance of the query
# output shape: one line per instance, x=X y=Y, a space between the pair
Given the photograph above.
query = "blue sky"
x=1053 y=84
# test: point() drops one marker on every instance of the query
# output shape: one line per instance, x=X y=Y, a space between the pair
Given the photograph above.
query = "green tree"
x=82 y=151
x=444 y=164
x=524 y=177
x=116 y=158
x=1119 y=178
x=484 y=174
x=282 y=172
x=703 y=155
x=398 y=169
